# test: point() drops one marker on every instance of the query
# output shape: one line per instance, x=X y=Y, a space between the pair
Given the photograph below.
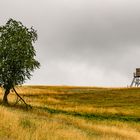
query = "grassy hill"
x=72 y=113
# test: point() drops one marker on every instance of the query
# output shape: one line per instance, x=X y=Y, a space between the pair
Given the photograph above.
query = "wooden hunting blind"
x=136 y=78
x=137 y=72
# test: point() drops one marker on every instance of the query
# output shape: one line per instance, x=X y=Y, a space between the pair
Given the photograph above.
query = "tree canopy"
x=17 y=55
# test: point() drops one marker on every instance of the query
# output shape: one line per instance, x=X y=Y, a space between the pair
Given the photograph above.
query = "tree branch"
x=21 y=99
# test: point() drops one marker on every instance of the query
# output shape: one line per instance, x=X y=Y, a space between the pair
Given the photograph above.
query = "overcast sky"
x=81 y=42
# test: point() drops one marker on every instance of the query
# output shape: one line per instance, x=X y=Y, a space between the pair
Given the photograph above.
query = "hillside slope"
x=72 y=113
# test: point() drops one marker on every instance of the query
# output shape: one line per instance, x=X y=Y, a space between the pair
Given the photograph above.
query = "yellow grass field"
x=72 y=113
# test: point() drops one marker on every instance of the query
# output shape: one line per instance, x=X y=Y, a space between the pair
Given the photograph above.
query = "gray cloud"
x=81 y=42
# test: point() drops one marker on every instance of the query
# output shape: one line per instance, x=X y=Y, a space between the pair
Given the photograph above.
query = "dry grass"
x=72 y=113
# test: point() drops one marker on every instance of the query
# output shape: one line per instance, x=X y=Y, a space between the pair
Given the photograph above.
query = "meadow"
x=71 y=113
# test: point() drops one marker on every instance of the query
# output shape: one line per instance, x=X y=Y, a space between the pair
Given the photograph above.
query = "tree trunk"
x=5 y=97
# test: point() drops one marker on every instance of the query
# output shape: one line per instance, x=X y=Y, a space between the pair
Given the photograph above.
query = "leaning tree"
x=17 y=55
